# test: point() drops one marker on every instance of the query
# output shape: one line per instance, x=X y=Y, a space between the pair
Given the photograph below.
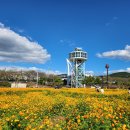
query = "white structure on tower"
x=76 y=67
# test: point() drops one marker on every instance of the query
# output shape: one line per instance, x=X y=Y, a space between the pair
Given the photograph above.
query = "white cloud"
x=56 y=72
x=112 y=21
x=120 y=70
x=1 y=25
x=17 y=48
x=61 y=41
x=65 y=42
x=21 y=30
x=120 y=54
x=19 y=68
x=89 y=73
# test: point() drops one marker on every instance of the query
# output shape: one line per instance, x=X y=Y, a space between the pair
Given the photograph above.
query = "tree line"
x=29 y=77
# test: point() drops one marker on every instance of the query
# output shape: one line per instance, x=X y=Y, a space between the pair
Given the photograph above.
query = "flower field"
x=64 y=109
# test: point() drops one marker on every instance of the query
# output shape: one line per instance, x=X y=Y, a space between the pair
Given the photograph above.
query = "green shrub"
x=5 y=84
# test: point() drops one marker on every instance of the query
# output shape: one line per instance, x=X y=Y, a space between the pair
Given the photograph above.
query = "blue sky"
x=47 y=30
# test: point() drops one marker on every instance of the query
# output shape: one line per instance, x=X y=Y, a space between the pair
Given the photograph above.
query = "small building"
x=18 y=85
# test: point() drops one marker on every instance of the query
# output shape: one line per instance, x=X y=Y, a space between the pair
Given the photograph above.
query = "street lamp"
x=107 y=67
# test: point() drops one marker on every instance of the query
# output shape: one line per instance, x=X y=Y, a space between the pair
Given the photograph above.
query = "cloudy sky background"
x=16 y=48
x=39 y=34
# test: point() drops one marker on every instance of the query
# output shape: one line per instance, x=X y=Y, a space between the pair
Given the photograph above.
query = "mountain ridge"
x=120 y=74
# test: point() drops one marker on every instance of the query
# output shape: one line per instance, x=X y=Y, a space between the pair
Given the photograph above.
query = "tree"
x=88 y=80
x=57 y=81
x=97 y=80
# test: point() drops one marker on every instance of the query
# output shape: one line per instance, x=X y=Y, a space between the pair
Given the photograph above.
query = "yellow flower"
x=85 y=116
x=13 y=116
x=78 y=120
x=124 y=127
x=19 y=125
x=47 y=122
x=78 y=117
x=21 y=113
x=112 y=125
x=57 y=125
x=7 y=119
x=116 y=117
x=26 y=117
x=16 y=120
x=41 y=127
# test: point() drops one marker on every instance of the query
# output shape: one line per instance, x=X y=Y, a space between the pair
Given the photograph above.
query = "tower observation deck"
x=76 y=67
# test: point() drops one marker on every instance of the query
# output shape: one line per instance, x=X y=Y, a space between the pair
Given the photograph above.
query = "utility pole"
x=5 y=75
x=102 y=82
x=107 y=67
x=37 y=80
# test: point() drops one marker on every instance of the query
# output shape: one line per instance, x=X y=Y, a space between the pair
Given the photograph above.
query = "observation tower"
x=76 y=67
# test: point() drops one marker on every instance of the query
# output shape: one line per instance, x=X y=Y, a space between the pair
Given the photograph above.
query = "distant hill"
x=120 y=74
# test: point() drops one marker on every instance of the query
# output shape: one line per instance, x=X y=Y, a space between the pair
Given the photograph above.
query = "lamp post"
x=107 y=67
